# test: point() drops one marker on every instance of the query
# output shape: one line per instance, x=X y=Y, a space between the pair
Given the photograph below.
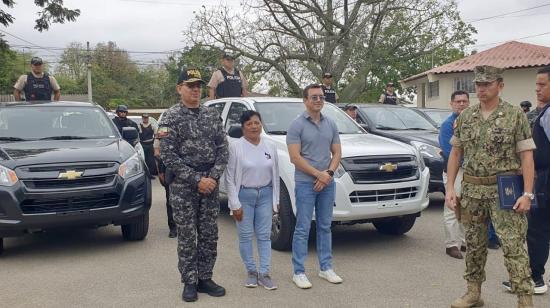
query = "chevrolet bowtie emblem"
x=70 y=175
x=388 y=167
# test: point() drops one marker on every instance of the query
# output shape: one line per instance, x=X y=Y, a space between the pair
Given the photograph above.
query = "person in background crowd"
x=538 y=231
x=454 y=231
x=533 y=114
x=388 y=97
x=252 y=181
x=121 y=120
x=227 y=81
x=525 y=106
x=315 y=160
x=351 y=110
x=194 y=150
x=492 y=137
x=330 y=94
x=161 y=171
x=37 y=85
x=147 y=134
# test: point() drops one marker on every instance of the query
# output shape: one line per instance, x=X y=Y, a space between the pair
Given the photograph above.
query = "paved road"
x=95 y=268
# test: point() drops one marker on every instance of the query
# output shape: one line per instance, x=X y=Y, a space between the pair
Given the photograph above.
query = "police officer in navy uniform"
x=122 y=121
x=227 y=81
x=388 y=97
x=330 y=93
x=37 y=85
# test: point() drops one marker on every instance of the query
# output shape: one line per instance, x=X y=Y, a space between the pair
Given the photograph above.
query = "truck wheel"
x=283 y=223
x=395 y=225
x=1 y=245
x=137 y=230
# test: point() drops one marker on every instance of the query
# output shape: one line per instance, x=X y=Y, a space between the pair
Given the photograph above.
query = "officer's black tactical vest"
x=232 y=85
x=390 y=99
x=147 y=134
x=330 y=94
x=541 y=141
x=38 y=89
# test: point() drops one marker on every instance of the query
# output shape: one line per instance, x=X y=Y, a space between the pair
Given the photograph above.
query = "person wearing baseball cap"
x=388 y=97
x=37 y=85
x=330 y=94
x=490 y=138
x=227 y=81
x=194 y=149
x=351 y=110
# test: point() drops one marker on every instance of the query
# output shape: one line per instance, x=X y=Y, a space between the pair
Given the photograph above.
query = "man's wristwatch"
x=198 y=178
x=529 y=195
x=330 y=172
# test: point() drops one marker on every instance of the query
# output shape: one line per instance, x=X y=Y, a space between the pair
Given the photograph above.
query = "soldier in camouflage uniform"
x=493 y=137
x=194 y=148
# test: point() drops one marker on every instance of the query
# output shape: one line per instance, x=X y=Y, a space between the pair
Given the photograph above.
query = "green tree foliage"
x=363 y=43
x=13 y=64
x=52 y=11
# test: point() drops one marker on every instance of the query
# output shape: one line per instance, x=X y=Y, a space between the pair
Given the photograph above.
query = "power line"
x=519 y=38
x=508 y=13
x=24 y=40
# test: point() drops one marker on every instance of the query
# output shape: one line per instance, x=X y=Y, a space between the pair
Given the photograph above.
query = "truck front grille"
x=39 y=206
x=61 y=183
x=381 y=195
x=381 y=169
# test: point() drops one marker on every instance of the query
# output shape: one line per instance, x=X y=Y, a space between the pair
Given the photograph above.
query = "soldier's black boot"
x=189 y=292
x=173 y=233
x=210 y=287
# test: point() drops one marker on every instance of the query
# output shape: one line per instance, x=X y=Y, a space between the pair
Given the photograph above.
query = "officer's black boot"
x=189 y=292
x=210 y=287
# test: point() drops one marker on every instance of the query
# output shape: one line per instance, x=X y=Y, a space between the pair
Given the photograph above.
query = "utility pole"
x=89 y=66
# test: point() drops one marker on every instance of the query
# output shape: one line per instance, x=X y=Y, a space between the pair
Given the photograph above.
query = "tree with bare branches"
x=363 y=43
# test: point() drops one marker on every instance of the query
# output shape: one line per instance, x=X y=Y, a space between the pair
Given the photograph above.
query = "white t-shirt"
x=256 y=165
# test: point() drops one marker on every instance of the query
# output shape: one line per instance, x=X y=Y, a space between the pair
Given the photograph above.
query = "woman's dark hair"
x=247 y=115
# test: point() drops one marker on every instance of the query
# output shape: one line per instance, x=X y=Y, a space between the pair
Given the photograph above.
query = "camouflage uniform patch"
x=194 y=146
x=489 y=149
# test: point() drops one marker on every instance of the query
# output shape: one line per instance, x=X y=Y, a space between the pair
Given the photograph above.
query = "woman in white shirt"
x=252 y=181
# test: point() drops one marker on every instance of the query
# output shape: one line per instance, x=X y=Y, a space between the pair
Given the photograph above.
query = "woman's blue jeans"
x=257 y=204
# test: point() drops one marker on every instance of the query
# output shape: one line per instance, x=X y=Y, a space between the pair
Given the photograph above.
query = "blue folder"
x=510 y=188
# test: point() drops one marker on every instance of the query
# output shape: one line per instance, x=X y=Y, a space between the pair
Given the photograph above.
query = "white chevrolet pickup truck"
x=379 y=180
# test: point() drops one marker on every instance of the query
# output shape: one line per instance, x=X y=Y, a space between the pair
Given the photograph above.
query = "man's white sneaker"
x=330 y=276
x=301 y=281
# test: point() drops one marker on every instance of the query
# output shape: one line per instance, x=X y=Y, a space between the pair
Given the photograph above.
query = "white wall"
x=519 y=85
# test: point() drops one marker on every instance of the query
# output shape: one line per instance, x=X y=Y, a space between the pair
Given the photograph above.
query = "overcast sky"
x=156 y=25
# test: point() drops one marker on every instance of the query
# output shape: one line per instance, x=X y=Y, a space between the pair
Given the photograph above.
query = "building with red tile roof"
x=521 y=61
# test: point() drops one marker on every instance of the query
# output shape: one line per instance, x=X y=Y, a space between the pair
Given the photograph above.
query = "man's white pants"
x=454 y=231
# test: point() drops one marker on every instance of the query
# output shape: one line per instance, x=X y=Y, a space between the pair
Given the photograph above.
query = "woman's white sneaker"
x=301 y=281
x=330 y=276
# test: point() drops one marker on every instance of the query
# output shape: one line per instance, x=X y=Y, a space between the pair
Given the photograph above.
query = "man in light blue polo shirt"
x=314 y=148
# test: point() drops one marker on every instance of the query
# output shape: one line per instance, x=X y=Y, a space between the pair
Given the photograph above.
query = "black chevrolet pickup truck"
x=64 y=164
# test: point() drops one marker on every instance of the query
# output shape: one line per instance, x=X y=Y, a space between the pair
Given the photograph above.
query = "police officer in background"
x=121 y=120
x=195 y=151
x=525 y=106
x=388 y=97
x=147 y=134
x=492 y=137
x=330 y=94
x=37 y=85
x=227 y=81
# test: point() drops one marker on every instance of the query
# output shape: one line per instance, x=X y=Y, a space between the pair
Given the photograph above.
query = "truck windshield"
x=277 y=116
x=390 y=118
x=30 y=122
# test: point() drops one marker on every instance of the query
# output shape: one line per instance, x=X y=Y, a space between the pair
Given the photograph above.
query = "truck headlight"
x=130 y=167
x=427 y=149
x=339 y=172
x=7 y=177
